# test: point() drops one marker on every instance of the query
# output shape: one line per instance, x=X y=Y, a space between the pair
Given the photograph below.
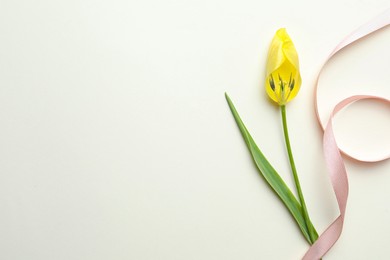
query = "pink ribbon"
x=333 y=158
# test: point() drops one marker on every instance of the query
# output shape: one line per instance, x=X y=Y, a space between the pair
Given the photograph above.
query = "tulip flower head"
x=283 y=78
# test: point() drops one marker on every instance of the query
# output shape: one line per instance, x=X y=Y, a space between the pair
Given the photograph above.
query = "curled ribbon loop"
x=332 y=152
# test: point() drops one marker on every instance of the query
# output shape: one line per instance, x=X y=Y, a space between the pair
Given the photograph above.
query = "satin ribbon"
x=332 y=152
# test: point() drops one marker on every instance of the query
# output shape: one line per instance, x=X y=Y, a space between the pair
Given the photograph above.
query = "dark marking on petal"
x=272 y=83
x=292 y=85
x=281 y=83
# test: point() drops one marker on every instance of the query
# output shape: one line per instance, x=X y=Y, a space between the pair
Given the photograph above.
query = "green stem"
x=305 y=214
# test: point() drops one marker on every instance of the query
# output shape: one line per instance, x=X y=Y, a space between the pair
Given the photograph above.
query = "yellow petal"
x=283 y=78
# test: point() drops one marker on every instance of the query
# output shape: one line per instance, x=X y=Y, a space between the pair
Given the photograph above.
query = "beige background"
x=117 y=143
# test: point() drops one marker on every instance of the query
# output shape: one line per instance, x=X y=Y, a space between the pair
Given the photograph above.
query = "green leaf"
x=272 y=177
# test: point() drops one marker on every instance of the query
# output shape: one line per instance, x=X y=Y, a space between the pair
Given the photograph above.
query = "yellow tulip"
x=283 y=79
